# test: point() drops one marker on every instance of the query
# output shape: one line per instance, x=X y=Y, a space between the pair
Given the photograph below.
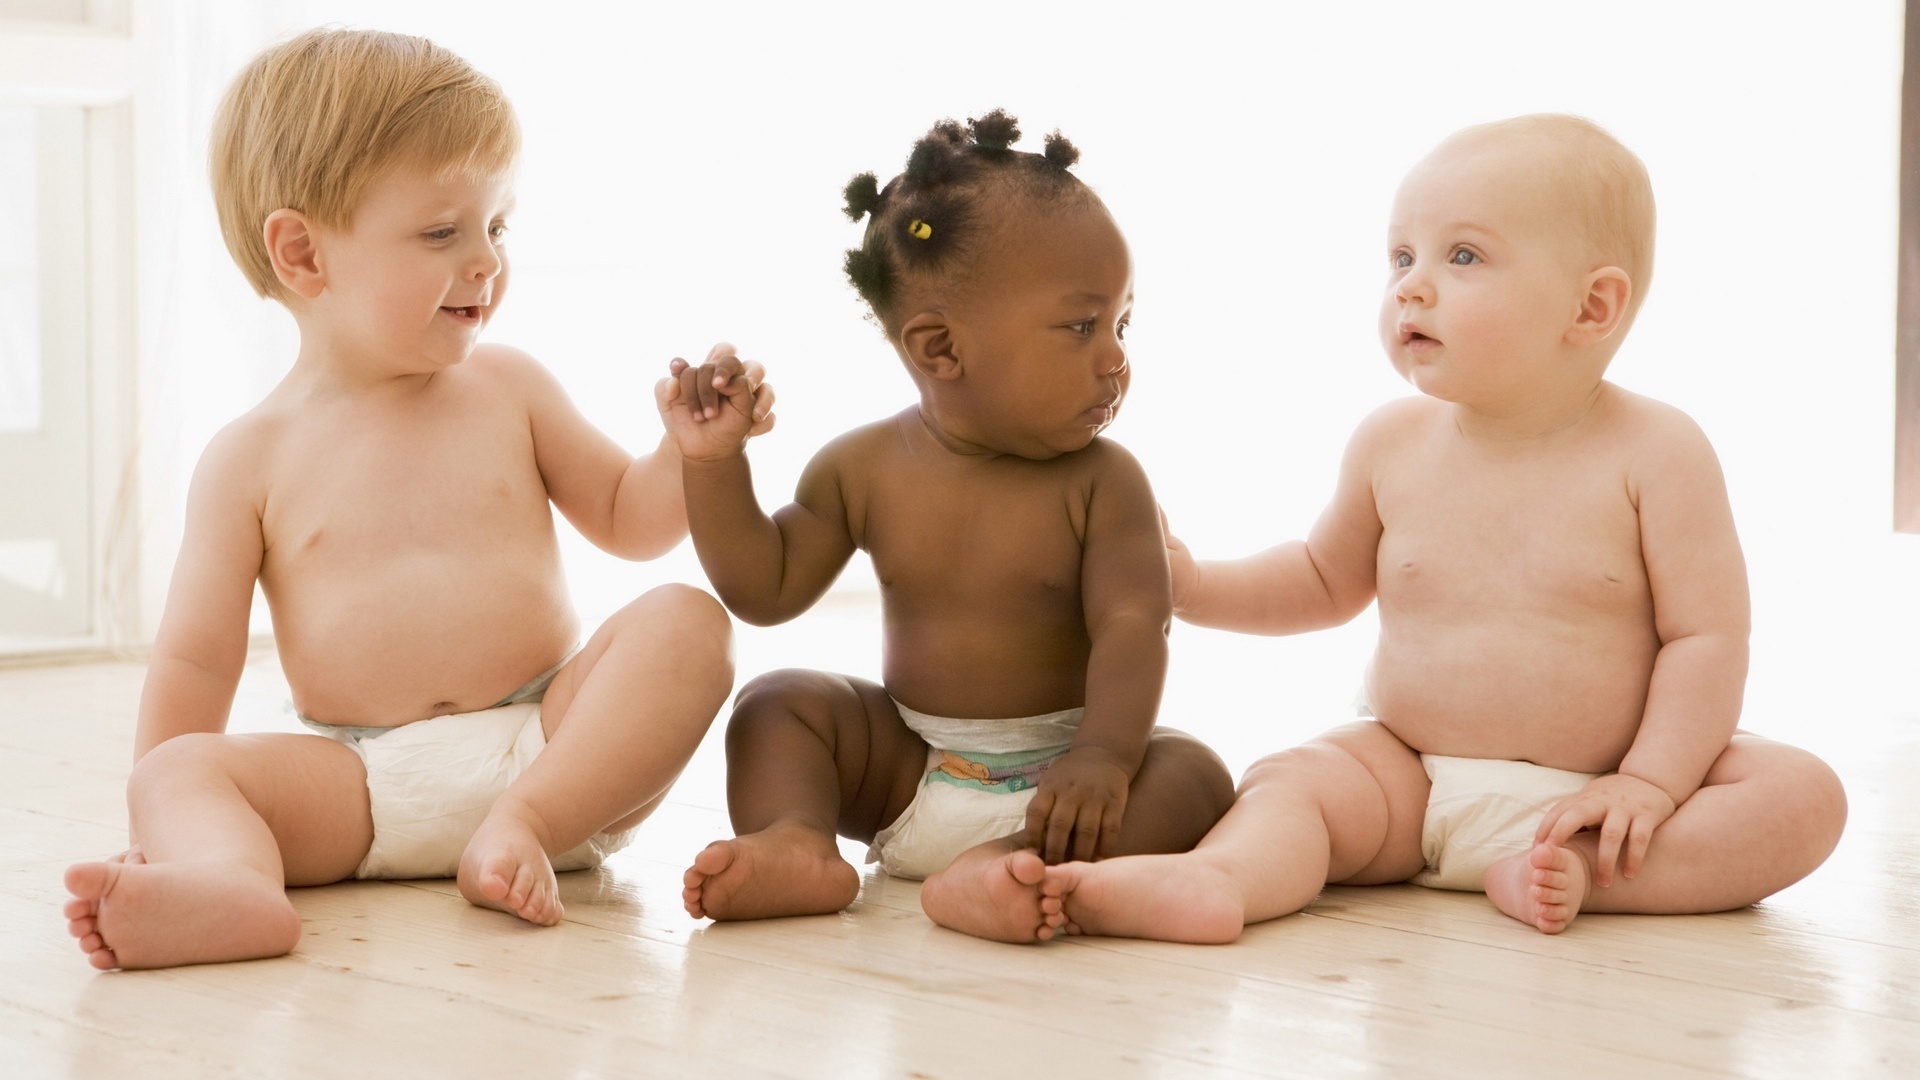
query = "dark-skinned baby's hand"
x=1076 y=812
x=712 y=408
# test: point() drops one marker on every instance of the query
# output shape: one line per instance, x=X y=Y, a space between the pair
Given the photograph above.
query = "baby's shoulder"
x=1104 y=460
x=238 y=461
x=503 y=369
x=1396 y=425
x=1652 y=431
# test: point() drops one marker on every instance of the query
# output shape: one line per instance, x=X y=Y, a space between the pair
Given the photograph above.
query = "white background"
x=681 y=185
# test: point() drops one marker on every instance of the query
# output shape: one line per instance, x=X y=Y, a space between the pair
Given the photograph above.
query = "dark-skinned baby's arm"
x=1128 y=605
x=768 y=569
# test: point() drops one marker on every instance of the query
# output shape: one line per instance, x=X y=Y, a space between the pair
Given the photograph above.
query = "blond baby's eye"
x=498 y=231
x=1463 y=257
x=1401 y=259
x=445 y=232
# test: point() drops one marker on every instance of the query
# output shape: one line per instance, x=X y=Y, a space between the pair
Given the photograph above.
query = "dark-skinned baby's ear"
x=926 y=340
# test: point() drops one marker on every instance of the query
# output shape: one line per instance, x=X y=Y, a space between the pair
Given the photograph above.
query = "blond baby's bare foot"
x=505 y=867
x=1543 y=887
x=128 y=914
x=782 y=870
x=993 y=893
x=1165 y=897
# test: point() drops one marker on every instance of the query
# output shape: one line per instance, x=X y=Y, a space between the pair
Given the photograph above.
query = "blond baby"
x=1563 y=603
x=393 y=497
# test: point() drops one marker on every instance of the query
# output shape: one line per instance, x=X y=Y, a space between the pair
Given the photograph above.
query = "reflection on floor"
x=407 y=979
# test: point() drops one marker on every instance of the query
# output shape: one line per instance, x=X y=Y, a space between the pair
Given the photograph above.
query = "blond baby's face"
x=420 y=270
x=1483 y=285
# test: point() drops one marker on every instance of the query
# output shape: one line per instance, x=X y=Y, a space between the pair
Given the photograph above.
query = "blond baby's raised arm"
x=1322 y=581
x=626 y=505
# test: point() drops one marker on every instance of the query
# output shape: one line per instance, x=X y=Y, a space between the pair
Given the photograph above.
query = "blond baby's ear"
x=292 y=250
x=1602 y=308
x=926 y=340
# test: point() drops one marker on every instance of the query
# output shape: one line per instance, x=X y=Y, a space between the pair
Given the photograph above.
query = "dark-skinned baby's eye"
x=1463 y=257
x=1121 y=331
x=1084 y=328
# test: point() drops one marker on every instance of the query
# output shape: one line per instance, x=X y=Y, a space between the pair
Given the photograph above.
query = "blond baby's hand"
x=1626 y=810
x=1180 y=562
x=1076 y=812
x=712 y=409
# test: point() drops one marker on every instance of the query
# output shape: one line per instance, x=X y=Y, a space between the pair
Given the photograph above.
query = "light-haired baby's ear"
x=295 y=256
x=926 y=340
x=1603 y=307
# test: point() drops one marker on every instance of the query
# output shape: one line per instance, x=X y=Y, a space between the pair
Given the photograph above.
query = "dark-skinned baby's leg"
x=994 y=890
x=1766 y=816
x=1346 y=807
x=809 y=755
x=223 y=823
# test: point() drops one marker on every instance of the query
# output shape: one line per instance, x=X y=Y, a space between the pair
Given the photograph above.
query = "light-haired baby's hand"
x=713 y=408
x=1626 y=810
x=1180 y=561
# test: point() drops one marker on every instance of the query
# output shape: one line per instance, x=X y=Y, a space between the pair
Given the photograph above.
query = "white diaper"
x=981 y=774
x=1481 y=811
x=431 y=783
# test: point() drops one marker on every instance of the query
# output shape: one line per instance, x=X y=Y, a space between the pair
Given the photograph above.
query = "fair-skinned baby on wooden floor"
x=393 y=498
x=1563 y=601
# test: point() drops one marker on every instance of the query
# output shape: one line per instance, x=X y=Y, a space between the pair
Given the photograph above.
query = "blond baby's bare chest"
x=1516 y=616
x=410 y=557
x=1465 y=531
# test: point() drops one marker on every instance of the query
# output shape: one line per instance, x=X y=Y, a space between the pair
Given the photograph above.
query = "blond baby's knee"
x=698 y=629
x=179 y=758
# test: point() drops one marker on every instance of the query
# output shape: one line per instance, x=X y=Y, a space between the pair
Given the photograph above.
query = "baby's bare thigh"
x=1374 y=813
x=311 y=793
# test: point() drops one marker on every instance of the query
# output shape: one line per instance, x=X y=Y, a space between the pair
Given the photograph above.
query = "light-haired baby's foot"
x=506 y=868
x=784 y=869
x=993 y=893
x=1164 y=897
x=1543 y=887
x=130 y=914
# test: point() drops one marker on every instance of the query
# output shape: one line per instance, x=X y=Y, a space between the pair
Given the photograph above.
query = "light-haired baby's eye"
x=443 y=233
x=1401 y=259
x=1463 y=257
x=498 y=231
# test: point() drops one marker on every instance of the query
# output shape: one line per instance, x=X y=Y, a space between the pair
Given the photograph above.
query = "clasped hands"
x=711 y=409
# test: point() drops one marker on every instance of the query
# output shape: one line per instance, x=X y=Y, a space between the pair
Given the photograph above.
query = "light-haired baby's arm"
x=1701 y=616
x=1298 y=586
x=201 y=646
x=625 y=504
x=1700 y=606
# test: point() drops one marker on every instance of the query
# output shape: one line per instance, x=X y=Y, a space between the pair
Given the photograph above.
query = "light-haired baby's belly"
x=1564 y=703
x=390 y=648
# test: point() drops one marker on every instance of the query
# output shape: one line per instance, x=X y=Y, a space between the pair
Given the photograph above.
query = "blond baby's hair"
x=310 y=122
x=1603 y=187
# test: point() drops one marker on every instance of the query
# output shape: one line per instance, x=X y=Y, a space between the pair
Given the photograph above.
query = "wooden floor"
x=408 y=980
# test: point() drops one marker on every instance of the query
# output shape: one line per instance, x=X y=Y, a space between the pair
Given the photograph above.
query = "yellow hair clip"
x=920 y=229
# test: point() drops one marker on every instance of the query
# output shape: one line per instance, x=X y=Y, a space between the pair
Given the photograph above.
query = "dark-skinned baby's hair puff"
x=924 y=224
